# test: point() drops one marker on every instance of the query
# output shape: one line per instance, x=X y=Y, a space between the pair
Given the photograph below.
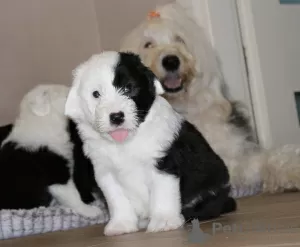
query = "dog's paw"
x=89 y=211
x=119 y=227
x=165 y=223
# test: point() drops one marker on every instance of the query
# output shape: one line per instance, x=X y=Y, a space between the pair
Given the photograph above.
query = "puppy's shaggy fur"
x=36 y=159
x=150 y=163
x=176 y=49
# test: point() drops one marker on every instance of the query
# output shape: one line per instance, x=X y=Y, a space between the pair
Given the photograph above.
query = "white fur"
x=134 y=189
x=41 y=122
x=68 y=196
x=203 y=103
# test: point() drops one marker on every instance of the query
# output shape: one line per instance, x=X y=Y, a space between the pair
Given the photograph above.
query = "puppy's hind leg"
x=68 y=196
x=212 y=206
x=229 y=206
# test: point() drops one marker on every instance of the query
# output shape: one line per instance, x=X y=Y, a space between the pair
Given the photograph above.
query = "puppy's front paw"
x=89 y=211
x=165 y=223
x=119 y=227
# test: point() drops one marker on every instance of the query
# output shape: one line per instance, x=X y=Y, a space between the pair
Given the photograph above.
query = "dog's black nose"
x=117 y=118
x=171 y=62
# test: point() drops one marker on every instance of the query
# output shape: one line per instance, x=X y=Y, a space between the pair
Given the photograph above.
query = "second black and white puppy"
x=152 y=166
x=36 y=156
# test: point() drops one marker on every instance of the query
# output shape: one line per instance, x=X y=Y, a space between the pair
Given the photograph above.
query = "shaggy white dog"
x=177 y=51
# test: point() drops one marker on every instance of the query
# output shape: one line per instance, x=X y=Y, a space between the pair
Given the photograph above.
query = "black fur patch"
x=202 y=174
x=240 y=121
x=237 y=118
x=25 y=176
x=83 y=175
x=137 y=81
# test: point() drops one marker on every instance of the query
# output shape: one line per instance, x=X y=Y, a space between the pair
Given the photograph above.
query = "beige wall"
x=115 y=19
x=42 y=41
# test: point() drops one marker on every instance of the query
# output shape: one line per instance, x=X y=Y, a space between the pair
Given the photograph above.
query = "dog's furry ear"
x=72 y=106
x=40 y=105
x=158 y=87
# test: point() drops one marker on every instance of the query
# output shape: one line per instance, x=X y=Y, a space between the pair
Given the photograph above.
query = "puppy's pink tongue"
x=119 y=135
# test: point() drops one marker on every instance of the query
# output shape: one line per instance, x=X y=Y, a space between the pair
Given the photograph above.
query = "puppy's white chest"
x=136 y=184
x=132 y=171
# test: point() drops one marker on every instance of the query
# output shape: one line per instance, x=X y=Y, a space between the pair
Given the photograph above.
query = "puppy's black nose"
x=117 y=118
x=171 y=62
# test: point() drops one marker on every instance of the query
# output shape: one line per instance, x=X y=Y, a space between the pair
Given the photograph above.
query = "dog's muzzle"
x=172 y=82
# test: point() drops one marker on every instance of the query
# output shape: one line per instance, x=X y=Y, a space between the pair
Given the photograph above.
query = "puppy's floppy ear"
x=72 y=107
x=40 y=105
x=158 y=87
x=159 y=90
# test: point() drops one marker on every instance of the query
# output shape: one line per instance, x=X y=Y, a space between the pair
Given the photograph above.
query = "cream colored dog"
x=178 y=52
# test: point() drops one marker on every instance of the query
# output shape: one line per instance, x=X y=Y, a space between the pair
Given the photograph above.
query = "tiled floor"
x=260 y=222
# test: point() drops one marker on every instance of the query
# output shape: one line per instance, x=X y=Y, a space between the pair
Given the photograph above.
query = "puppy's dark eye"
x=128 y=88
x=179 y=39
x=148 y=45
x=96 y=94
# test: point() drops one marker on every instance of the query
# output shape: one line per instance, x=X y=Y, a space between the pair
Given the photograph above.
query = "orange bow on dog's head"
x=153 y=14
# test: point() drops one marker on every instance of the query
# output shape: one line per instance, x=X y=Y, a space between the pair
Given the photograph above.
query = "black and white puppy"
x=152 y=166
x=36 y=159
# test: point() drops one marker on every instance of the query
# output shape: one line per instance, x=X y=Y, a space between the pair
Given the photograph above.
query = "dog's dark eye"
x=148 y=45
x=128 y=88
x=179 y=39
x=96 y=94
